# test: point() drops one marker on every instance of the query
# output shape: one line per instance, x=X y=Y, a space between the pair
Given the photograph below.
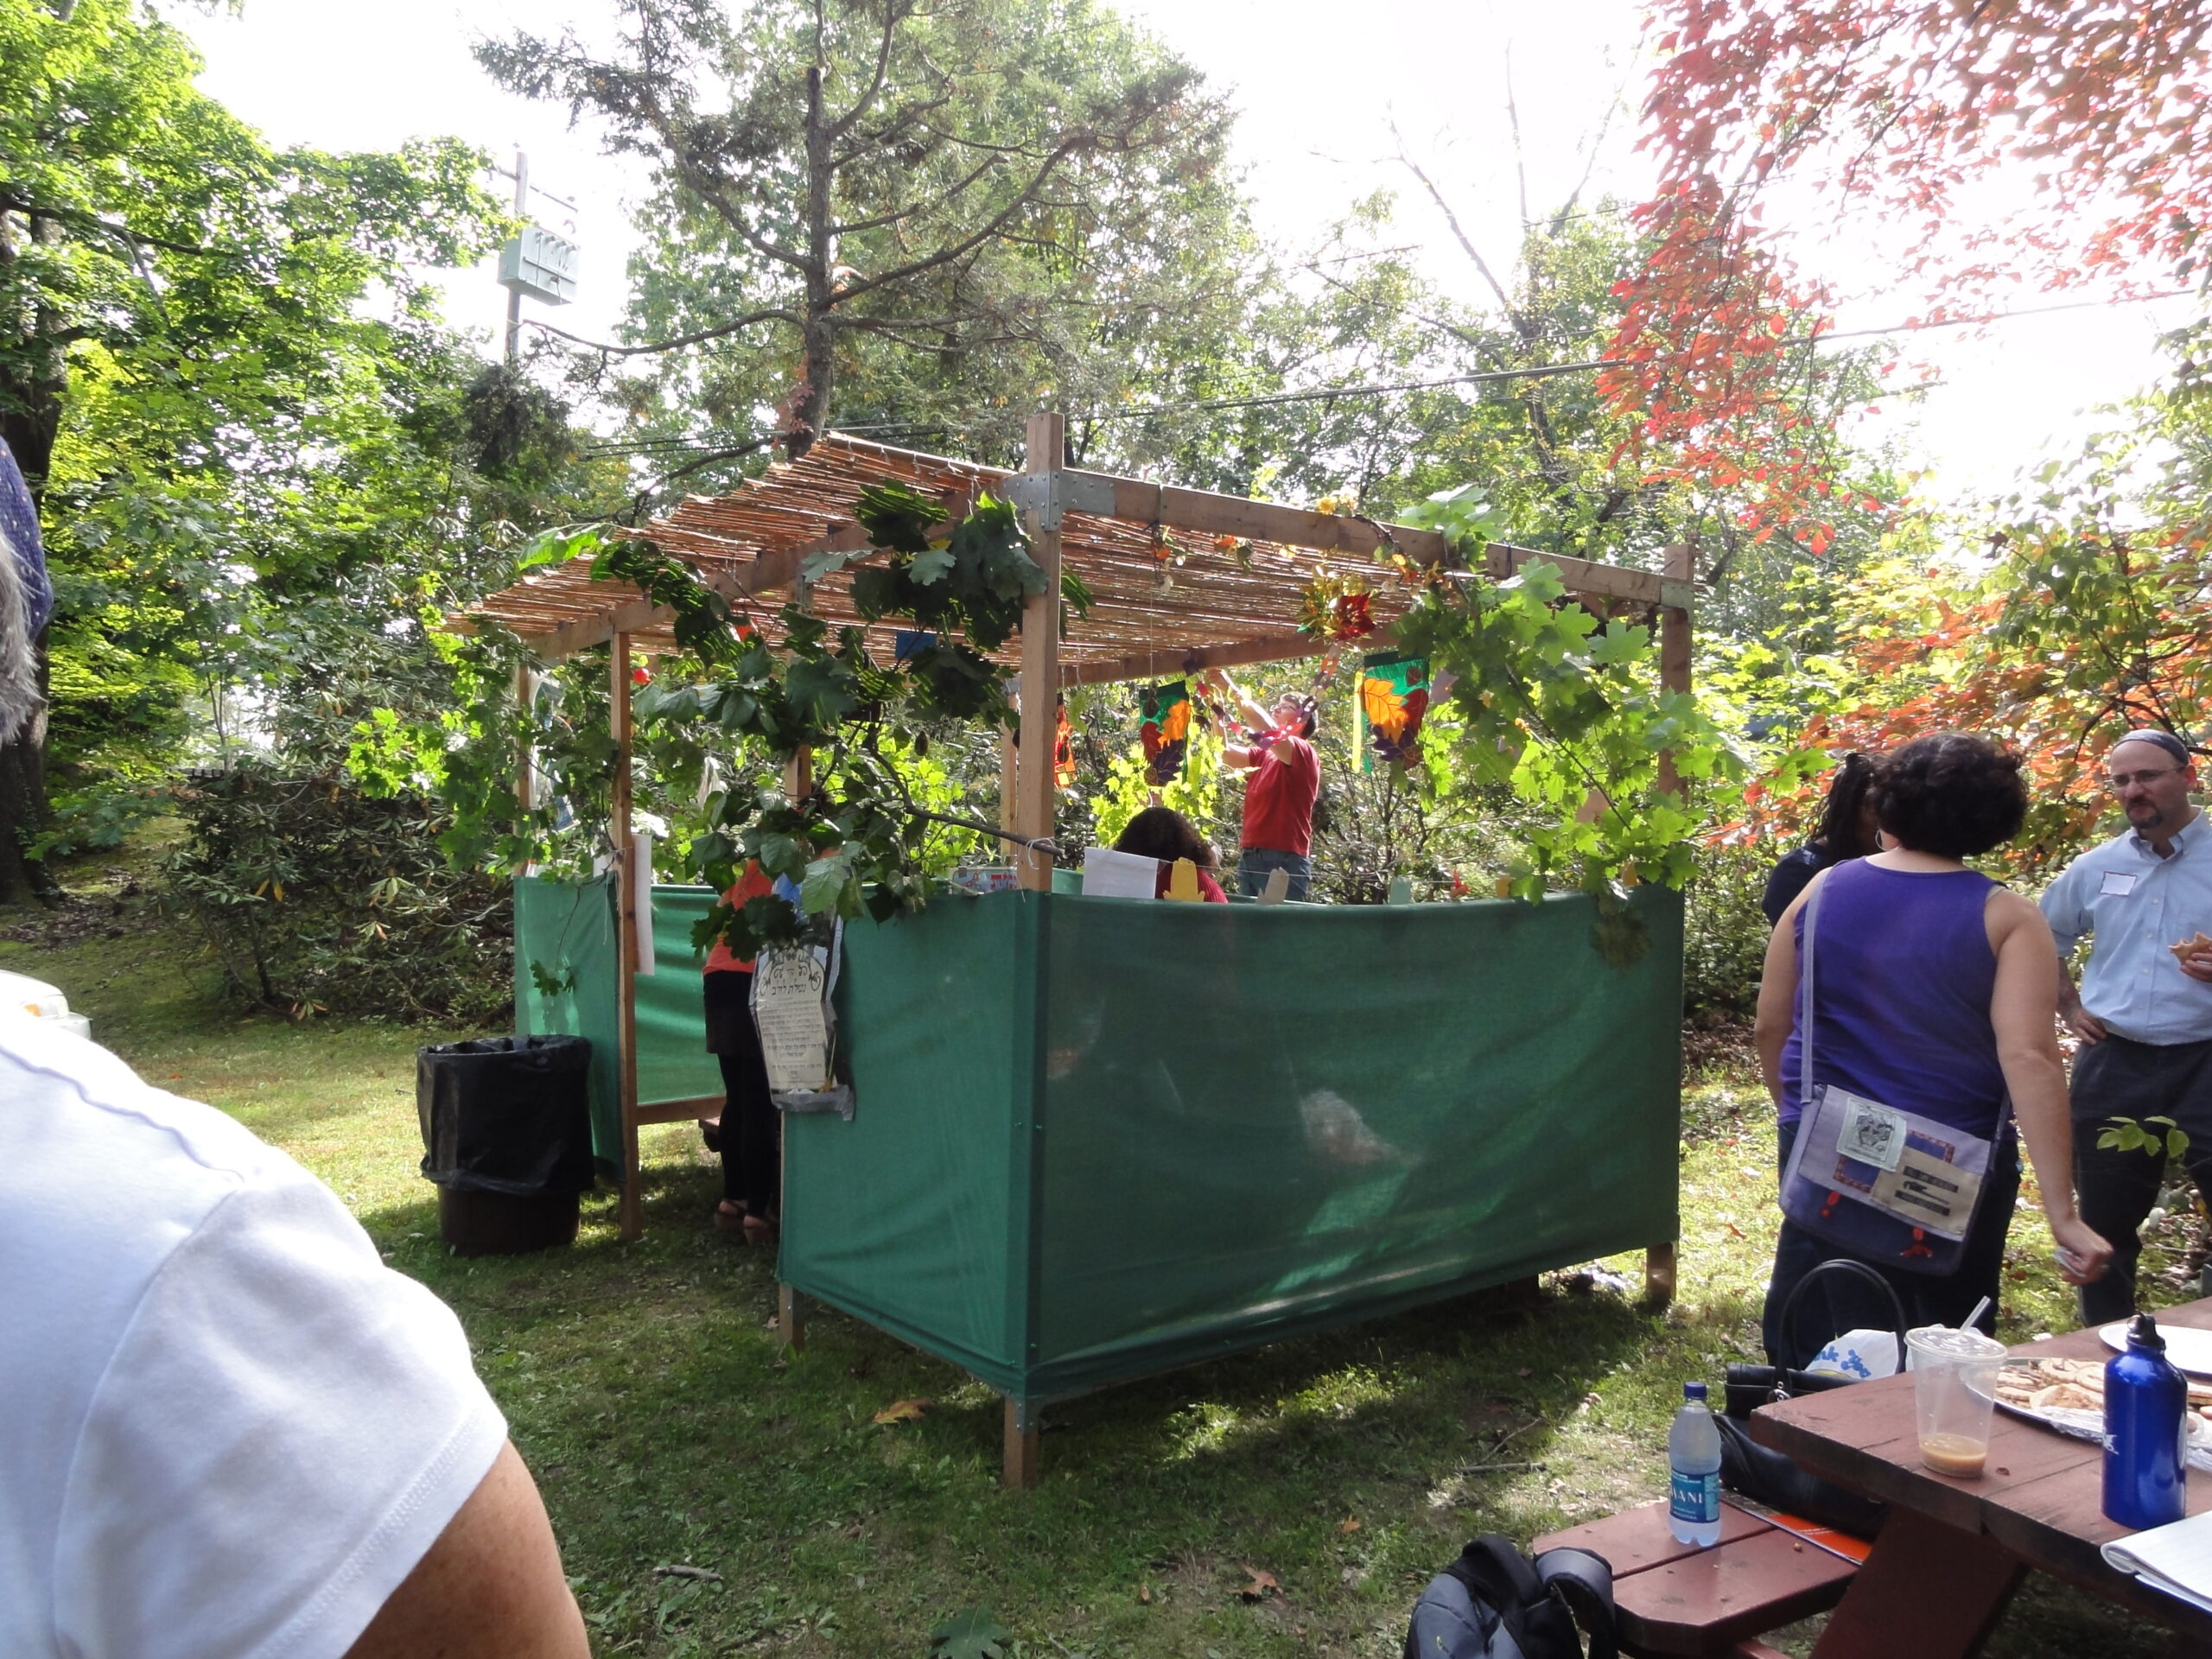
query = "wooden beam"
x=1018 y=1468
x=626 y=935
x=1584 y=575
x=1035 y=786
x=764 y=575
x=1675 y=649
x=1203 y=513
x=1154 y=664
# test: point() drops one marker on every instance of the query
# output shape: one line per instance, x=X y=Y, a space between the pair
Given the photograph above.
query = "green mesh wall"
x=568 y=929
x=1098 y=1137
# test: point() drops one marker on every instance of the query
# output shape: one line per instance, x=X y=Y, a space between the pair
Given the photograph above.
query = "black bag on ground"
x=1495 y=1603
x=508 y=1114
x=1766 y=1476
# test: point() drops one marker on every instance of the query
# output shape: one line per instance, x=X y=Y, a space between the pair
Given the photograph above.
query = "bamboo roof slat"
x=1179 y=578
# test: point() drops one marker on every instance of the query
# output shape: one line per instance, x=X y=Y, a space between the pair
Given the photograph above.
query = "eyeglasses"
x=2120 y=780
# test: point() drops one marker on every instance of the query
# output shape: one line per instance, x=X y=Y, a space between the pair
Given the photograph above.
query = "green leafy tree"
x=878 y=214
x=191 y=375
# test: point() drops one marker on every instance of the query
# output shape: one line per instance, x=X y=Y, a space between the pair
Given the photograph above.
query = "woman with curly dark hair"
x=1937 y=994
x=1163 y=833
x=1846 y=830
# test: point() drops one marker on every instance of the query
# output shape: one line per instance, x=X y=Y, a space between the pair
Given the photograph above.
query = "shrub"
x=317 y=898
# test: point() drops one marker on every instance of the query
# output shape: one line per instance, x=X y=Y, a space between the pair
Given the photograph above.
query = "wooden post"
x=1034 y=785
x=625 y=933
x=1019 y=1470
x=1659 y=1261
x=791 y=1319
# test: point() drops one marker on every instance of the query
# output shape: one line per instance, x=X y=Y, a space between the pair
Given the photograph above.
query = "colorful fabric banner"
x=1063 y=745
x=1392 y=698
x=1165 y=732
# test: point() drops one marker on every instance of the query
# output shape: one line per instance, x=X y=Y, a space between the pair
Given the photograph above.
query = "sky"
x=1318 y=99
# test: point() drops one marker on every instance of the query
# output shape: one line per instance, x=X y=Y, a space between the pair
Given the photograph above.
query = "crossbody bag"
x=1888 y=1185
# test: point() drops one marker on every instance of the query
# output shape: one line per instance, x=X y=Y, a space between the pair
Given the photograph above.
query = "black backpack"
x=1495 y=1603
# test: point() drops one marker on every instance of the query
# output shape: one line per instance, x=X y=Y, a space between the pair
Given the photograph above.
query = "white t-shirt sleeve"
x=284 y=1430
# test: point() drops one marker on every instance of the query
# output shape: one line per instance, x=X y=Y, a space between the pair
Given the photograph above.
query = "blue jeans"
x=1255 y=864
x=1834 y=1307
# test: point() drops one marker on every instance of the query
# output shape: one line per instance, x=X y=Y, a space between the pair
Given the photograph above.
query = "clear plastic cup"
x=1954 y=1387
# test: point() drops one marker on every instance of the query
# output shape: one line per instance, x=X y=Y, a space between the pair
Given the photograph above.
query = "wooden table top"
x=2040 y=1496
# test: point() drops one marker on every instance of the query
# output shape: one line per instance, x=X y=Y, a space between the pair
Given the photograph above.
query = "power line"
x=1328 y=394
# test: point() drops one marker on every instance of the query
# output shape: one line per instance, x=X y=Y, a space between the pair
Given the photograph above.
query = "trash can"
x=506 y=1136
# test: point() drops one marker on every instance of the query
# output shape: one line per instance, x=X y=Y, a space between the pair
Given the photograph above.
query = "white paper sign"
x=1872 y=1134
x=1109 y=874
x=2118 y=884
x=787 y=1008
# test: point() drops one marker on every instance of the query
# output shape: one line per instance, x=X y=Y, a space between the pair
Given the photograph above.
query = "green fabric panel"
x=673 y=1060
x=567 y=928
x=909 y=1209
x=1261 y=1120
x=1236 y=1121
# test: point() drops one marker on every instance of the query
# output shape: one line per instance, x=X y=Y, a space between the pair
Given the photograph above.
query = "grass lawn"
x=1291 y=1501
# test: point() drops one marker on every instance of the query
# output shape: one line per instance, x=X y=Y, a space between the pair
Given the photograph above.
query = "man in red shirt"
x=1279 y=801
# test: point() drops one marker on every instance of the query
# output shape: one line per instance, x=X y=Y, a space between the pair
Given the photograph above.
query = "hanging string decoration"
x=1063 y=745
x=1165 y=732
x=1336 y=608
x=1392 y=699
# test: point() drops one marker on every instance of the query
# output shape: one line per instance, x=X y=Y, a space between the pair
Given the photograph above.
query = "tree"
x=190 y=373
x=941 y=208
x=1894 y=122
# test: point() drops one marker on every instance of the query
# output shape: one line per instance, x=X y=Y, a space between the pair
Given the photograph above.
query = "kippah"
x=2164 y=740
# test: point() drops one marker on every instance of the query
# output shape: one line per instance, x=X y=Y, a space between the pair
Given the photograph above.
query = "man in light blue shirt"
x=2144 y=1012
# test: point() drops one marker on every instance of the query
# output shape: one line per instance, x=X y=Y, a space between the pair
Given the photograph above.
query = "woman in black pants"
x=751 y=1135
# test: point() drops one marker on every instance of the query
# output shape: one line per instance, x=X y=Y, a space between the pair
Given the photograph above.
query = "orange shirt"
x=751 y=885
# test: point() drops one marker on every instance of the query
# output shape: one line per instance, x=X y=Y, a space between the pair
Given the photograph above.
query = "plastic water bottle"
x=1693 y=1473
x=2146 y=1432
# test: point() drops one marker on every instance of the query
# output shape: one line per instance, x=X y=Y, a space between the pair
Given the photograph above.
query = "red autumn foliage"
x=1889 y=117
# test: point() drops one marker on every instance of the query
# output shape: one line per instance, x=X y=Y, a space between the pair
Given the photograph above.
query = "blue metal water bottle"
x=2146 y=1432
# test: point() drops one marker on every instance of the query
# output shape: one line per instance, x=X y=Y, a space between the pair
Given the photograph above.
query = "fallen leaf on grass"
x=685 y=1570
x=1349 y=1525
x=972 y=1635
x=1144 y=1594
x=902 y=1411
x=1524 y=1371
x=1264 y=1585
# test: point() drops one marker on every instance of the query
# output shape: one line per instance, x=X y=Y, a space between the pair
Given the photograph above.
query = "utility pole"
x=537 y=262
x=514 y=292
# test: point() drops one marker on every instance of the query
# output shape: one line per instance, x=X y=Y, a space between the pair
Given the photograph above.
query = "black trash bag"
x=506 y=1114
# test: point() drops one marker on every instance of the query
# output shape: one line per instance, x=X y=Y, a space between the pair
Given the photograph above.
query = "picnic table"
x=1952 y=1551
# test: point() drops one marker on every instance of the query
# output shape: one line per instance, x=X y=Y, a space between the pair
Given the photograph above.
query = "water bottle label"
x=1694 y=1498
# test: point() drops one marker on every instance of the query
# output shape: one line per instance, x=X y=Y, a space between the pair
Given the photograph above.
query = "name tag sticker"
x=2118 y=883
x=1872 y=1134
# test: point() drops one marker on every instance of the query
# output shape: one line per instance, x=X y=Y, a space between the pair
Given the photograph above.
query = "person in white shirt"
x=231 y=1429
x=2144 y=1012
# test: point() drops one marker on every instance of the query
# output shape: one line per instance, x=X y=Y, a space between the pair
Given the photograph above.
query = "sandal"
x=731 y=1218
x=759 y=1229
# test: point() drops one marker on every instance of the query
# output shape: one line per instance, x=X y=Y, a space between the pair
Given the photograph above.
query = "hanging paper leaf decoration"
x=1166 y=732
x=1336 y=608
x=1392 y=699
x=1062 y=747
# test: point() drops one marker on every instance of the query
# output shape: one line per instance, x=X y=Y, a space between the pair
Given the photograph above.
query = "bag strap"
x=1847 y=1265
x=1584 y=1583
x=1805 y=1045
x=1500 y=1577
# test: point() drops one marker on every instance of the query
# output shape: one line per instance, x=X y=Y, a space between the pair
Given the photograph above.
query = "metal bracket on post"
x=1678 y=596
x=1051 y=495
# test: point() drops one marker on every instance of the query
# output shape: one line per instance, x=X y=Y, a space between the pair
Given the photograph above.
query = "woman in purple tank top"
x=1938 y=995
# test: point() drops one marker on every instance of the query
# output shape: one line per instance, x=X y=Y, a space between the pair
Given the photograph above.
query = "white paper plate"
x=2190 y=1350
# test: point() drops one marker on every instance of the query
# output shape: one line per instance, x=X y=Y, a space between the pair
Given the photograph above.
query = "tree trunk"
x=30 y=417
x=818 y=360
